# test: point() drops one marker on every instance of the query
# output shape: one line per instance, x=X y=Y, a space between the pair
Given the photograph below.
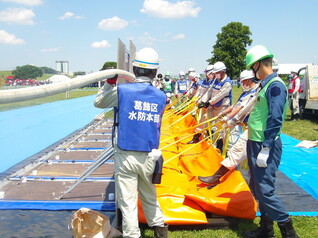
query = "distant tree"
x=47 y=70
x=27 y=72
x=109 y=65
x=230 y=47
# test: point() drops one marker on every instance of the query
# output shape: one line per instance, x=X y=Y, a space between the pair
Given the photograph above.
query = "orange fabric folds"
x=180 y=199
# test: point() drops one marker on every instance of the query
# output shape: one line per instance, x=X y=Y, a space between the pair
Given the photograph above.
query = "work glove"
x=262 y=157
x=112 y=80
x=224 y=119
x=230 y=123
x=203 y=104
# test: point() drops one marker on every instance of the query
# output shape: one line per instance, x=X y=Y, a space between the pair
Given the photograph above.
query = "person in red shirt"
x=293 y=94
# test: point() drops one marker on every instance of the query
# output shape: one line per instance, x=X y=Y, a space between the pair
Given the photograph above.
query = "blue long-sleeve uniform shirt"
x=276 y=95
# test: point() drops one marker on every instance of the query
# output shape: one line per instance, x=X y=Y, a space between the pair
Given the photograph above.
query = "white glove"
x=230 y=123
x=262 y=157
x=155 y=154
x=224 y=119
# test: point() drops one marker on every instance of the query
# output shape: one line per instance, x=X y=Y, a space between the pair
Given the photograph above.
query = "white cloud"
x=165 y=9
x=101 y=44
x=51 y=50
x=68 y=15
x=9 y=39
x=26 y=2
x=147 y=39
x=179 y=37
x=114 y=23
x=21 y=16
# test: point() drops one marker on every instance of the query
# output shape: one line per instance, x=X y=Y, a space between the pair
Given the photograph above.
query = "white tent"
x=57 y=78
x=287 y=68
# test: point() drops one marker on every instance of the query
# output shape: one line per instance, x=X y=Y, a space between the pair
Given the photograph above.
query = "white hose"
x=22 y=94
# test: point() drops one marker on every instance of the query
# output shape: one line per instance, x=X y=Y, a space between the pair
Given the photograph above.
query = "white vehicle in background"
x=308 y=98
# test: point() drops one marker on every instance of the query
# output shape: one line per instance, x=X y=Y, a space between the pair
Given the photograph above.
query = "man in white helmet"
x=194 y=83
x=201 y=97
x=249 y=90
x=190 y=70
x=221 y=94
x=232 y=116
x=181 y=88
x=138 y=107
x=293 y=93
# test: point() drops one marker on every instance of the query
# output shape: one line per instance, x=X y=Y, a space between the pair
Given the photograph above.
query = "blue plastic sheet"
x=55 y=205
x=300 y=165
x=26 y=131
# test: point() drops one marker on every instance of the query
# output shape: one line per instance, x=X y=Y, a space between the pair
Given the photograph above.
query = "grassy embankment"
x=307 y=227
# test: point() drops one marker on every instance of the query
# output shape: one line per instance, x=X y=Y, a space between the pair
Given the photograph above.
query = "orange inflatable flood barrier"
x=180 y=199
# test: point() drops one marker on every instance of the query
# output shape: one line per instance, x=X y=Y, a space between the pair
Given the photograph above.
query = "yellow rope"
x=170 y=125
x=190 y=147
x=227 y=136
x=168 y=160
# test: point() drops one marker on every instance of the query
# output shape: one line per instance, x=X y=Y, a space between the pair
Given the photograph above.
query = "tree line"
x=230 y=48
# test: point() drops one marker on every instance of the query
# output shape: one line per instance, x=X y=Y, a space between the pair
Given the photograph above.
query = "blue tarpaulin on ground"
x=28 y=130
x=300 y=165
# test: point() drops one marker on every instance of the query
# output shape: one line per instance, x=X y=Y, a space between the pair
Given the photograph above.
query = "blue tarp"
x=300 y=165
x=28 y=130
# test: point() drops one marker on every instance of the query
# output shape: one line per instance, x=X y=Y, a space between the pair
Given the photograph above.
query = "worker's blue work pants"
x=262 y=181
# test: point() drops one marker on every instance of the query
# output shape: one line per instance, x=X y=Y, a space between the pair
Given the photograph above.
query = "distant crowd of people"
x=24 y=82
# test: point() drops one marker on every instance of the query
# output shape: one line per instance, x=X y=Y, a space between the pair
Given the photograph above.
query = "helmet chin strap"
x=255 y=71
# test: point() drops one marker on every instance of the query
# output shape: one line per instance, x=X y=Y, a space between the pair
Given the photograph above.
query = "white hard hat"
x=209 y=69
x=218 y=66
x=197 y=75
x=192 y=75
x=181 y=73
x=191 y=70
x=275 y=66
x=246 y=74
x=146 y=58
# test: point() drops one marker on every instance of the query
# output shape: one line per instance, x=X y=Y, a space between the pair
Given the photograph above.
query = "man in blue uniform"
x=181 y=88
x=201 y=96
x=233 y=116
x=138 y=107
x=264 y=146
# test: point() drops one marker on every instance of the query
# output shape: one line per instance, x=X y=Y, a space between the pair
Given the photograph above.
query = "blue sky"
x=85 y=32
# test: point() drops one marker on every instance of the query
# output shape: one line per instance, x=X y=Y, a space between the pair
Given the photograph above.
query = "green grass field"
x=307 y=129
x=53 y=98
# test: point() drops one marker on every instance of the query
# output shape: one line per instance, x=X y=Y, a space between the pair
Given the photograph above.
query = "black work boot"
x=161 y=232
x=292 y=117
x=265 y=230
x=296 y=117
x=195 y=139
x=215 y=178
x=287 y=229
x=219 y=144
